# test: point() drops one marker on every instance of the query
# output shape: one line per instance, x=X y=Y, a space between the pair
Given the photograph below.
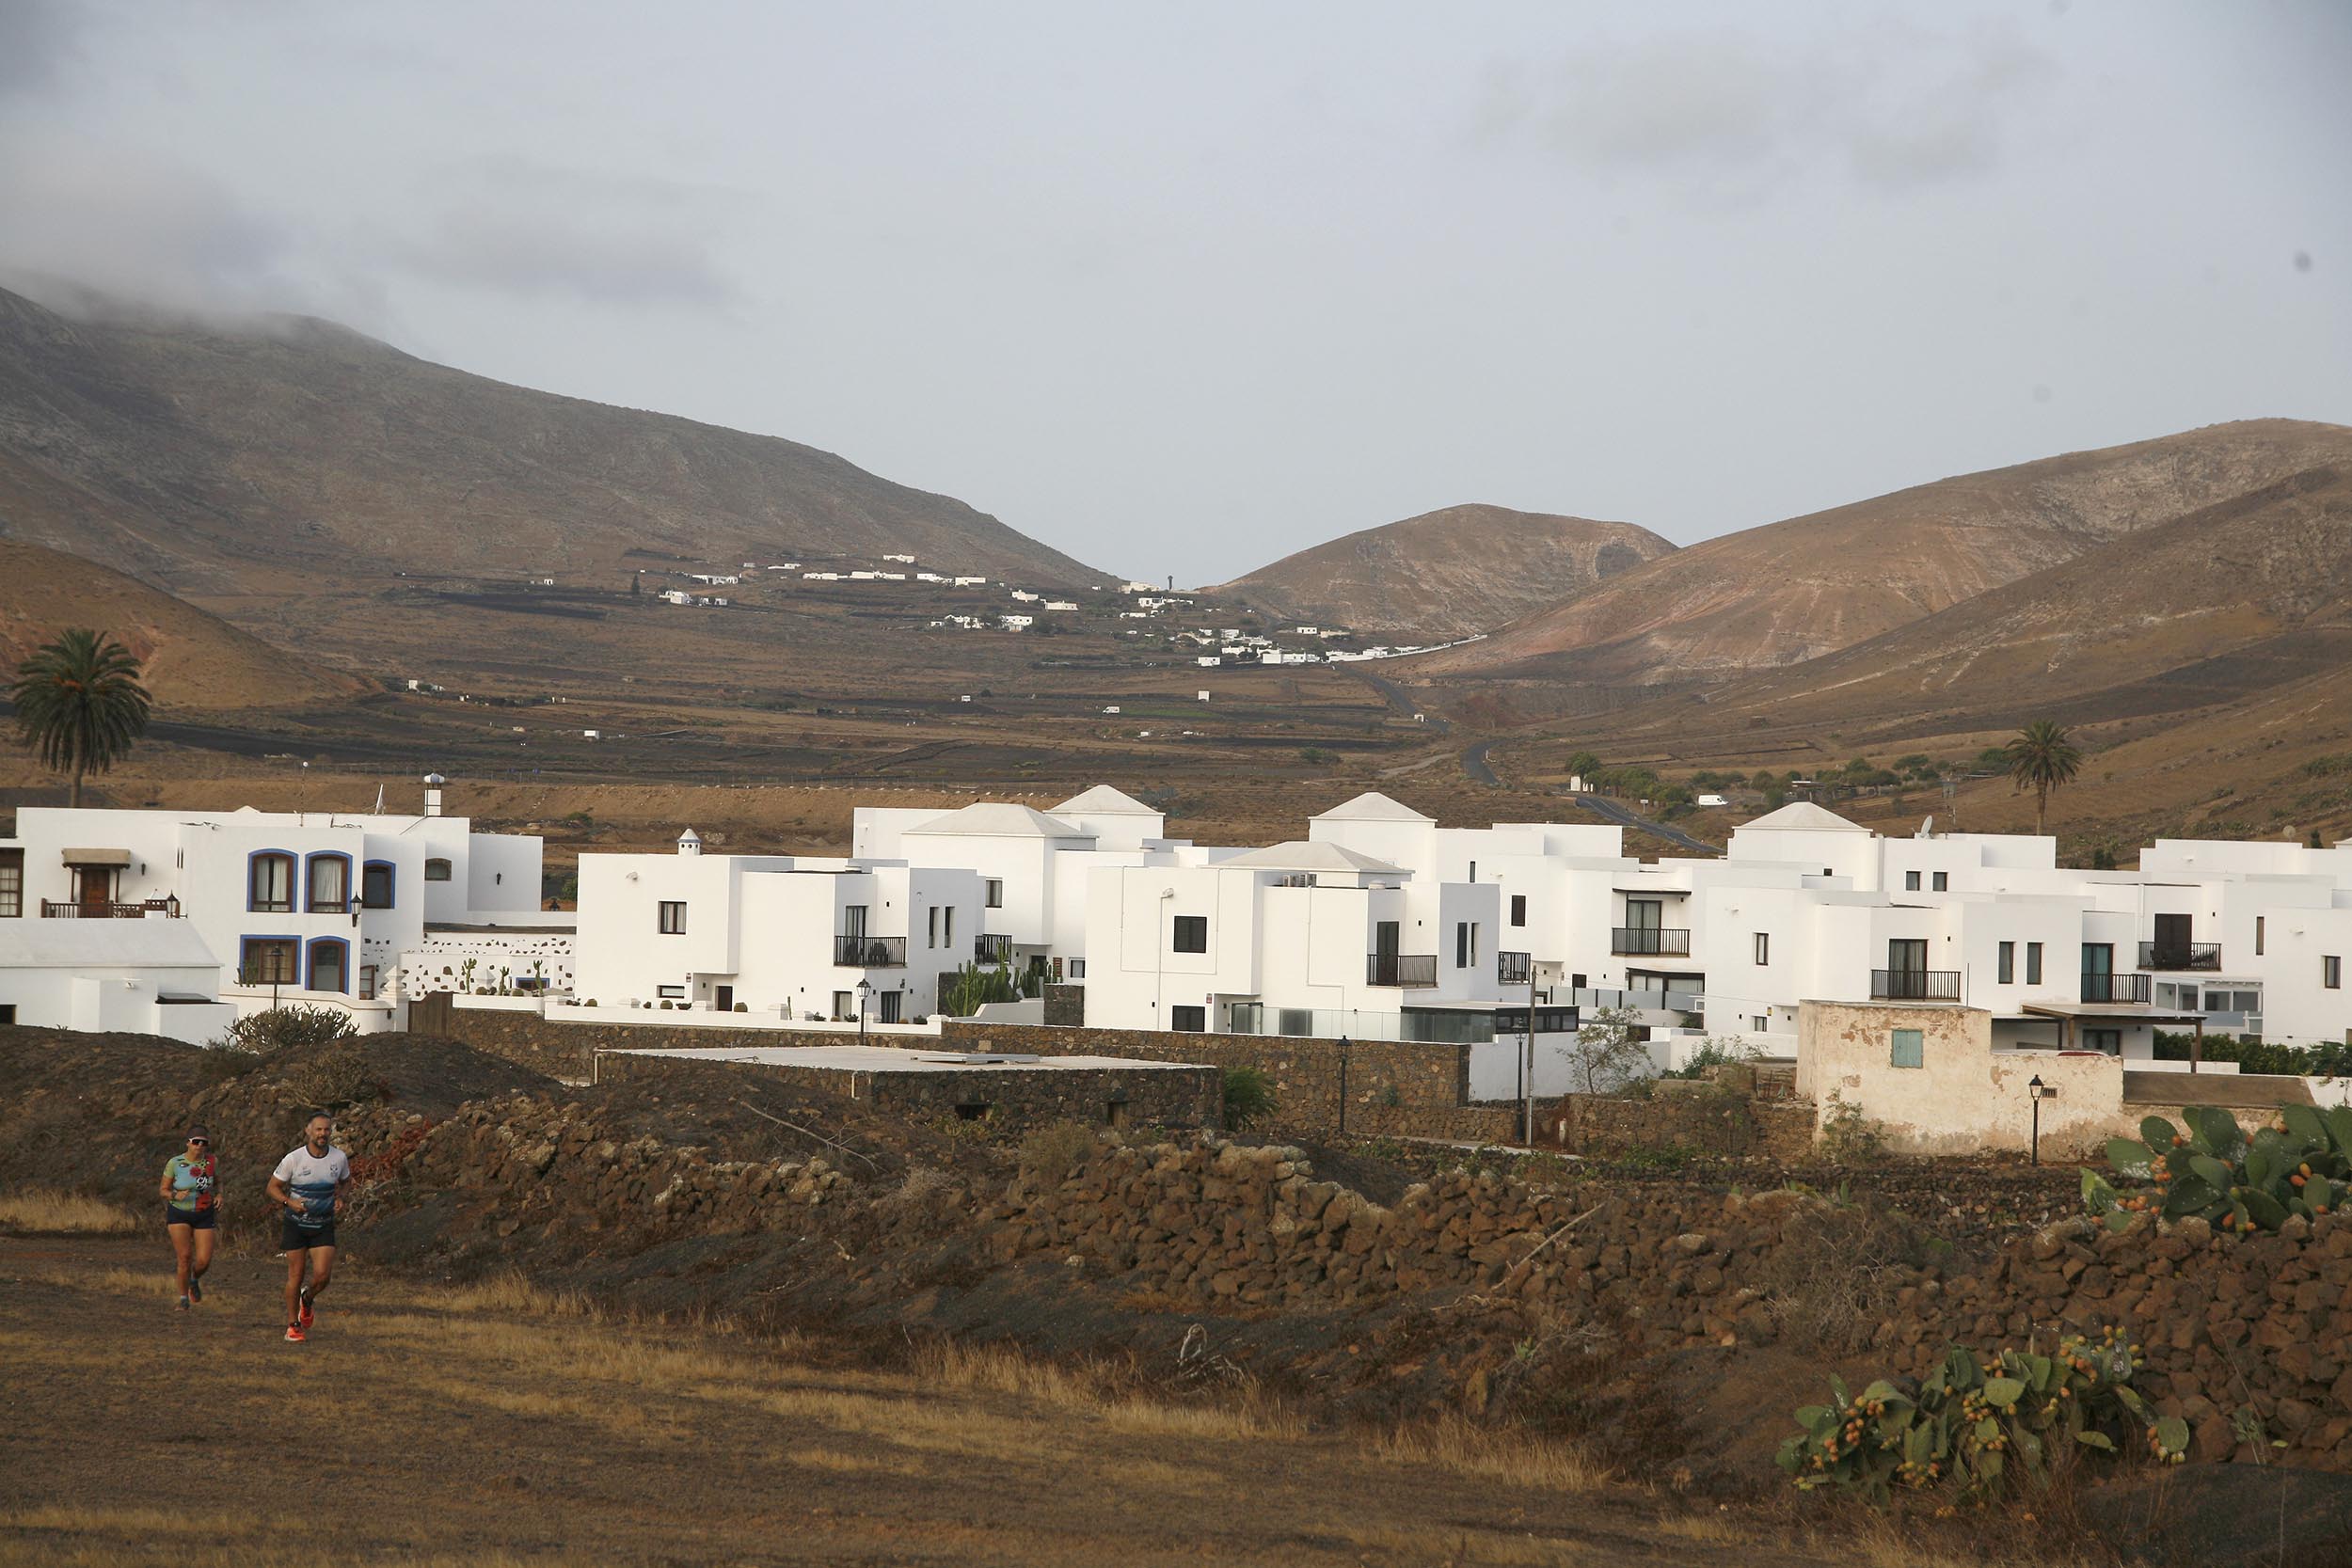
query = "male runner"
x=309 y=1183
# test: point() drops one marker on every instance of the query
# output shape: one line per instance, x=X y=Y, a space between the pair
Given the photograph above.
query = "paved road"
x=1398 y=698
x=1618 y=813
x=1475 y=763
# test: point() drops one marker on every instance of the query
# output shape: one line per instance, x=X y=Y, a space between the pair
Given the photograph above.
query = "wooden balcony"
x=52 y=909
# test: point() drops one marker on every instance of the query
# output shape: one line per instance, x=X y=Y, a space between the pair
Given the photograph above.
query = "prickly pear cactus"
x=2299 y=1163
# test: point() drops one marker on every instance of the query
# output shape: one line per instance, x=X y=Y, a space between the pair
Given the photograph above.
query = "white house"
x=1016 y=622
x=297 y=906
x=137 y=976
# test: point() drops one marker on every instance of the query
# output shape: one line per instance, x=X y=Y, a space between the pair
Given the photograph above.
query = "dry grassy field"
x=496 y=1425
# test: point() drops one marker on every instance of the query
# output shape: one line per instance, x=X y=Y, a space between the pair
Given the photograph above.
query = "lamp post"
x=865 y=988
x=2040 y=1091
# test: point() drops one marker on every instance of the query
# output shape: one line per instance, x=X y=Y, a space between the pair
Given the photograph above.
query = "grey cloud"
x=38 y=39
x=1889 y=106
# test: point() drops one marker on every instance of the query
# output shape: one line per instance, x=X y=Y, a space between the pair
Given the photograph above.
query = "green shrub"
x=975 y=987
x=2298 y=1164
x=1974 y=1424
x=1051 y=1153
x=336 y=1076
x=280 y=1028
x=1712 y=1054
x=1848 y=1137
x=1249 y=1097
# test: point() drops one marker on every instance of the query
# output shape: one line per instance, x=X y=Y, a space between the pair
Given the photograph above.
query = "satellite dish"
x=1927 y=827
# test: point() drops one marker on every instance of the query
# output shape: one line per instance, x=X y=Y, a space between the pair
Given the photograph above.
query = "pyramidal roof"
x=1371 y=806
x=1103 y=800
x=1301 y=855
x=1807 y=816
x=1001 y=819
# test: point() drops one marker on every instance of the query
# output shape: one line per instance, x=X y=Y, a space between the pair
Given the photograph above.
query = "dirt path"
x=482 y=1430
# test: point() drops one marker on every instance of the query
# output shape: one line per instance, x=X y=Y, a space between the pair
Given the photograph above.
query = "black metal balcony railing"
x=1649 y=940
x=1408 y=970
x=2180 y=955
x=2114 y=988
x=870 y=952
x=990 y=948
x=1515 y=969
x=1915 y=985
x=52 y=909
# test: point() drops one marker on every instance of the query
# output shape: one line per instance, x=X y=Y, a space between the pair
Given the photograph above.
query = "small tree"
x=80 y=704
x=1607 y=1049
x=1249 y=1097
x=2041 y=759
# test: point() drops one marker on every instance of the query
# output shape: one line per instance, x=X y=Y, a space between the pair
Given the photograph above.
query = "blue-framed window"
x=269 y=962
x=330 y=965
x=378 y=880
x=326 y=882
x=269 y=881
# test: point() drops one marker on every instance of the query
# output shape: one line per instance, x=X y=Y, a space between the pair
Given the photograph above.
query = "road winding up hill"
x=1449 y=572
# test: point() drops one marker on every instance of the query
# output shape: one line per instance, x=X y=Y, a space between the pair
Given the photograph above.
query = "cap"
x=198 y=1132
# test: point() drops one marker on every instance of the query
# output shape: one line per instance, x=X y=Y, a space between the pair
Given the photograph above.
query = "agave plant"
x=1975 y=1424
x=2300 y=1163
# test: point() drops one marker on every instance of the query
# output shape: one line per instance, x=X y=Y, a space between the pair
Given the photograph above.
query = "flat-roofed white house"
x=293 y=906
x=143 y=976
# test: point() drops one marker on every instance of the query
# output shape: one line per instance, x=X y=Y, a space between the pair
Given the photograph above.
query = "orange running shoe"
x=295 y=1335
x=305 y=1309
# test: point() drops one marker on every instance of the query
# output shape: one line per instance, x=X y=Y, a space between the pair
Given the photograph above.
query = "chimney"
x=690 y=843
x=433 y=782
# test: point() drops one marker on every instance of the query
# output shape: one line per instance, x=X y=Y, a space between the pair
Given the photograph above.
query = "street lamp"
x=865 y=988
x=2040 y=1091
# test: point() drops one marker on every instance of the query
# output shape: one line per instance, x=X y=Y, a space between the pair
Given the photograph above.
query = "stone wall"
x=1011 y=1098
x=566 y=1050
x=1677 y=1115
x=1065 y=1006
x=1391 y=1087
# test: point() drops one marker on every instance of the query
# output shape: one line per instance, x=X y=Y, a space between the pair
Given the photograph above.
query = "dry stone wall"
x=1697 y=1117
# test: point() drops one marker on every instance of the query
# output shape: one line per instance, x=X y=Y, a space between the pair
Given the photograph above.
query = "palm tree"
x=2041 y=759
x=79 y=704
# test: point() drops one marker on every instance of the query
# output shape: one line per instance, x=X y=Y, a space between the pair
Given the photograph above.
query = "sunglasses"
x=199 y=1143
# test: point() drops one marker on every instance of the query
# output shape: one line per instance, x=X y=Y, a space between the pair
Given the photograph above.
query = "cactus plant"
x=2300 y=1163
x=1973 y=1423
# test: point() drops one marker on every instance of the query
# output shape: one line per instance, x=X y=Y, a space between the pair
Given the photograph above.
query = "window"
x=995 y=893
x=2007 y=973
x=12 y=883
x=1465 y=944
x=1518 y=908
x=672 y=917
x=2033 y=963
x=1191 y=1021
x=2109 y=1040
x=1761 y=1022
x=270 y=883
x=669 y=993
x=1943 y=881
x=375 y=885
x=330 y=964
x=844 y=1007
x=269 y=962
x=930 y=926
x=890 y=1002
x=2258 y=936
x=2331 y=972
x=1763 y=948
x=436 y=870
x=329 y=885
x=1077 y=968
x=1909 y=1049
x=367 y=983
x=948 y=926
x=1911 y=881
x=1191 y=933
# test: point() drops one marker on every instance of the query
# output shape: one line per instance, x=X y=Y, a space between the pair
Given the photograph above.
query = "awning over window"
x=98 y=857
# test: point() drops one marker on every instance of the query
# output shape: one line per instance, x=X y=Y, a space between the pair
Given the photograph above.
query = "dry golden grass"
x=63 y=1213
x=1095 y=1389
x=1515 y=1458
x=851 y=1464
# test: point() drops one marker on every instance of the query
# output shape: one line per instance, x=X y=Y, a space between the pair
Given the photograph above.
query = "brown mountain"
x=257 y=459
x=192 y=659
x=1794 y=591
x=1449 y=572
x=2238 y=598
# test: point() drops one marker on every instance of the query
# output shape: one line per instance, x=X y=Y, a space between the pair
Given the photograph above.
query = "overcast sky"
x=1180 y=288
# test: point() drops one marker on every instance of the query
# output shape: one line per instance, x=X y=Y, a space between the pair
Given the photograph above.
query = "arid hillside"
x=1794 y=591
x=193 y=660
x=1449 y=572
x=220 y=462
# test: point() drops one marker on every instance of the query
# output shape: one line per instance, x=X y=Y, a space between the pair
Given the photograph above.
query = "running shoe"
x=183 y=1304
x=305 y=1309
x=295 y=1335
x=196 y=1290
